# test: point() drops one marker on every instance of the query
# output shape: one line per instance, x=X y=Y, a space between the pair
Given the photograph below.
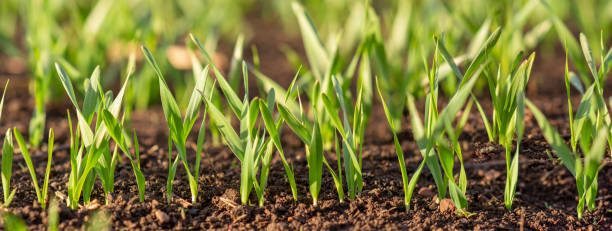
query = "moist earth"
x=546 y=195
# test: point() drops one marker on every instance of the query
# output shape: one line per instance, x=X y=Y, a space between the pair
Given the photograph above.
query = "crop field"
x=306 y=115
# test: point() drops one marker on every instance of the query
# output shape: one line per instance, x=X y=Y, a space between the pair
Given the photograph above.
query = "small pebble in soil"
x=154 y=203
x=161 y=216
x=426 y=192
x=446 y=205
x=492 y=175
x=93 y=205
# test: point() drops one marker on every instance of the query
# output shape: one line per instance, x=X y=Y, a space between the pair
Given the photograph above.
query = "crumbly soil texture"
x=546 y=197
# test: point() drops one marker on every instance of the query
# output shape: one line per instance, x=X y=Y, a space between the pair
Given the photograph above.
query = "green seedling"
x=90 y=153
x=7 y=166
x=310 y=133
x=273 y=127
x=589 y=129
x=408 y=185
x=238 y=143
x=252 y=148
x=437 y=136
x=321 y=122
x=39 y=28
x=122 y=139
x=179 y=130
x=7 y=160
x=592 y=112
x=508 y=94
x=352 y=136
x=584 y=171
x=40 y=195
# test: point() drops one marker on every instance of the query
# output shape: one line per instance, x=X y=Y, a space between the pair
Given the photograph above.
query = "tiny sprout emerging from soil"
x=7 y=159
x=437 y=135
x=40 y=195
x=408 y=186
x=251 y=148
x=310 y=134
x=585 y=173
x=352 y=136
x=179 y=130
x=508 y=95
x=90 y=150
x=589 y=129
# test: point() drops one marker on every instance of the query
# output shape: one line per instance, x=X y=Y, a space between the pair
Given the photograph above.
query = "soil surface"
x=546 y=197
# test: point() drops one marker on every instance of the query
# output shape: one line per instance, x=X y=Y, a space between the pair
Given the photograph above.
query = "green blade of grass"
x=195 y=101
x=115 y=130
x=316 y=52
x=481 y=55
x=86 y=132
x=169 y=105
x=92 y=95
x=49 y=161
x=295 y=125
x=226 y=129
x=7 y=168
x=454 y=105
x=408 y=187
x=273 y=130
x=315 y=162
x=337 y=180
x=232 y=98
x=428 y=155
x=26 y=157
x=588 y=56
x=333 y=114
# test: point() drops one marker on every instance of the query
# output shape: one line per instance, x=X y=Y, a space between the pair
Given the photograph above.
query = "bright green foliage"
x=90 y=154
x=310 y=133
x=592 y=112
x=327 y=69
x=252 y=148
x=7 y=167
x=273 y=127
x=122 y=139
x=408 y=186
x=585 y=172
x=40 y=195
x=179 y=130
x=437 y=136
x=589 y=129
x=352 y=136
x=507 y=94
x=7 y=160
x=245 y=143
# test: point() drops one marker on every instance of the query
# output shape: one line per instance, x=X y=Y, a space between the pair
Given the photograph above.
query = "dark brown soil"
x=546 y=194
